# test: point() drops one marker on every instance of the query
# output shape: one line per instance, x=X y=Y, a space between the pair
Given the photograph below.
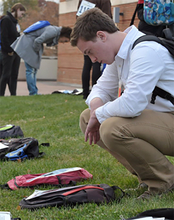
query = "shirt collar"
x=132 y=34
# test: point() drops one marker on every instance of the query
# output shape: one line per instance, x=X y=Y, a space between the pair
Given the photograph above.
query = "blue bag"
x=158 y=12
x=17 y=154
x=36 y=26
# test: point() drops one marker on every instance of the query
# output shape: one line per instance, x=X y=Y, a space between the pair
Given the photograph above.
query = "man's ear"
x=101 y=35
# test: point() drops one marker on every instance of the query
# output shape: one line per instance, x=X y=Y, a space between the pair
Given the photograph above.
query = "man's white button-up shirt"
x=138 y=70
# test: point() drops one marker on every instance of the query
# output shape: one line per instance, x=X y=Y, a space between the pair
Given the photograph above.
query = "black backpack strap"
x=41 y=154
x=138 y=6
x=133 y=16
x=157 y=91
x=161 y=93
x=4 y=186
x=71 y=182
x=147 y=38
x=123 y=193
x=45 y=144
x=167 y=43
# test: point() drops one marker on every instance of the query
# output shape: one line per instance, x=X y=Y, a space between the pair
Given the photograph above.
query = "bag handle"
x=81 y=188
x=138 y=6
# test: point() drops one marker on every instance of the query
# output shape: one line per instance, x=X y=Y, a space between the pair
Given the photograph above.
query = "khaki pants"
x=140 y=144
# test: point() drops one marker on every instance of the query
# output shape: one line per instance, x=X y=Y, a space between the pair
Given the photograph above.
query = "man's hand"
x=92 y=130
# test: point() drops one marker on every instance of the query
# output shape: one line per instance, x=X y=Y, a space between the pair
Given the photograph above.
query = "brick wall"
x=70 y=59
x=127 y=10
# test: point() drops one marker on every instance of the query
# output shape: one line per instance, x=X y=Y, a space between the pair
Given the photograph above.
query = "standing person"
x=136 y=132
x=29 y=47
x=11 y=61
x=0 y=61
x=105 y=6
x=0 y=51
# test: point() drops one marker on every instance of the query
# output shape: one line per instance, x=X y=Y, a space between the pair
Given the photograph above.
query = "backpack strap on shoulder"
x=161 y=93
x=157 y=91
x=147 y=38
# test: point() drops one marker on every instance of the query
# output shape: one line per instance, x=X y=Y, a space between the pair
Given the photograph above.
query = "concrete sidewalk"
x=44 y=87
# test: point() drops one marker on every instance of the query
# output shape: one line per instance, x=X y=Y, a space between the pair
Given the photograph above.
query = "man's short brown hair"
x=89 y=23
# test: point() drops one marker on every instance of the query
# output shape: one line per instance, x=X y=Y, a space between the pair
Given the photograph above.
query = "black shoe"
x=85 y=96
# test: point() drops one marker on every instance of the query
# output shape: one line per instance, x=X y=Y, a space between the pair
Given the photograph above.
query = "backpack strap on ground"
x=45 y=144
x=4 y=186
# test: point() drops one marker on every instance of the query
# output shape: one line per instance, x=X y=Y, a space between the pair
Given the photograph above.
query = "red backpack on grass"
x=61 y=177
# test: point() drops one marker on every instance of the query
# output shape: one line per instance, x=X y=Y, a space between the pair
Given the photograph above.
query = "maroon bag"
x=70 y=196
x=57 y=177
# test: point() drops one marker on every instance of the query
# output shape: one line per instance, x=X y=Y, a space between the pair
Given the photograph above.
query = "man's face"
x=99 y=50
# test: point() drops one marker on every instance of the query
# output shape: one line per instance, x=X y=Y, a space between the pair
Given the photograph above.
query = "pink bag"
x=57 y=178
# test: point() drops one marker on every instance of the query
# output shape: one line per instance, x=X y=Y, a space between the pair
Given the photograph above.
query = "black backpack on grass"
x=168 y=213
x=10 y=131
x=70 y=196
x=20 y=148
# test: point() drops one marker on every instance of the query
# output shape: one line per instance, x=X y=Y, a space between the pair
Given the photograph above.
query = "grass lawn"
x=55 y=119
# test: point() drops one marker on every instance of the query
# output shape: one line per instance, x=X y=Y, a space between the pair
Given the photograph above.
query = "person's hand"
x=11 y=54
x=92 y=130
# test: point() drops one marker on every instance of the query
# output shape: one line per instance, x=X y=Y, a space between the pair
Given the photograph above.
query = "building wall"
x=70 y=59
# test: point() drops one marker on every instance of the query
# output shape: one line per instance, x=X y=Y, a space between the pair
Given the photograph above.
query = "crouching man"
x=121 y=118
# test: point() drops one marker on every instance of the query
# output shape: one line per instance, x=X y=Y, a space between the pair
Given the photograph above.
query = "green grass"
x=55 y=119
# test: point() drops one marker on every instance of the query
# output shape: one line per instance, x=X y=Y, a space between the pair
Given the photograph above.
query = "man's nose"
x=93 y=59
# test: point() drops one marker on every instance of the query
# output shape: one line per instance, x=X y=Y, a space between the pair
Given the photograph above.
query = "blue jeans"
x=31 y=79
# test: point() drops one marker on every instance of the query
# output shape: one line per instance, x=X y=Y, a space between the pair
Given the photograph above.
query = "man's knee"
x=84 y=118
x=113 y=129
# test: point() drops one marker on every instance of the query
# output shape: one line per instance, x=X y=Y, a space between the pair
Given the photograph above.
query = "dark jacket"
x=104 y=5
x=0 y=35
x=9 y=32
